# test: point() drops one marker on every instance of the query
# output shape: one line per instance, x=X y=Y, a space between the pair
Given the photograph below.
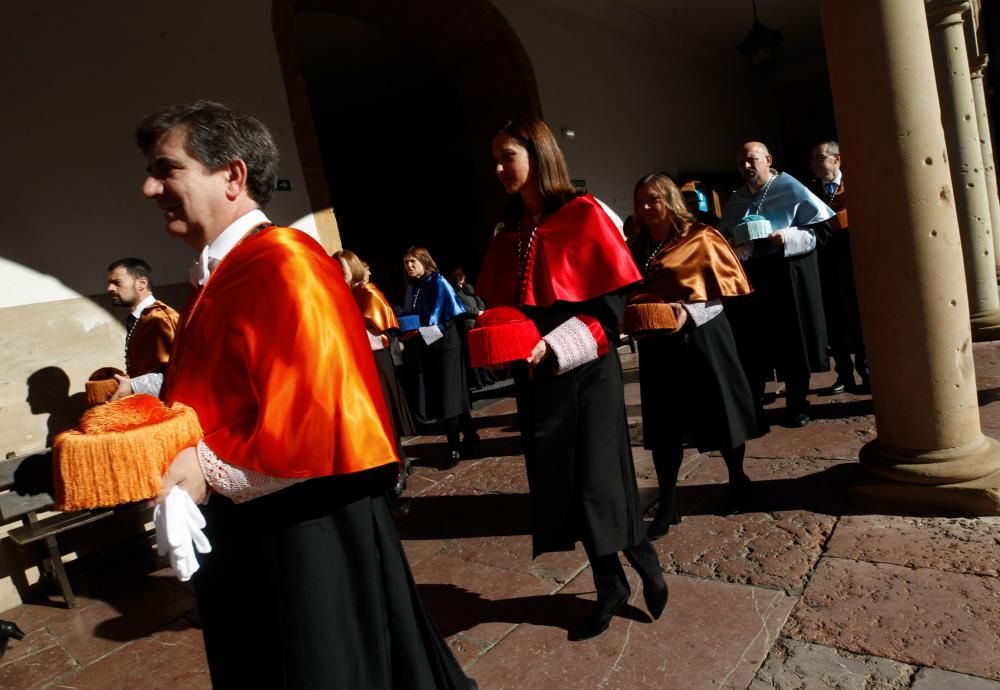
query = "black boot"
x=643 y=558
x=740 y=487
x=612 y=593
x=8 y=630
x=599 y=619
x=668 y=464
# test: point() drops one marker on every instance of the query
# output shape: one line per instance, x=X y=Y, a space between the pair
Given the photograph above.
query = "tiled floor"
x=799 y=593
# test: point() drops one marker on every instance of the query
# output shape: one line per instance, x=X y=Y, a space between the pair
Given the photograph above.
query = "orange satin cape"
x=375 y=308
x=151 y=340
x=699 y=267
x=577 y=255
x=272 y=355
x=376 y=311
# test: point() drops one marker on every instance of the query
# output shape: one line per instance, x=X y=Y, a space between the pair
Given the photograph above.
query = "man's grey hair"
x=218 y=135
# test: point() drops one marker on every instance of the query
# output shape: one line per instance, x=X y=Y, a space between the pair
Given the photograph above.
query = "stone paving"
x=803 y=592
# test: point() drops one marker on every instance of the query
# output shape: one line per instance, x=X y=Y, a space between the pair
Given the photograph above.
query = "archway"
x=394 y=104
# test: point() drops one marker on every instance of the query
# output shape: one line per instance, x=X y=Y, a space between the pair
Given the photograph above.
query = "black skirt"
x=692 y=382
x=436 y=387
x=309 y=588
x=578 y=458
x=395 y=400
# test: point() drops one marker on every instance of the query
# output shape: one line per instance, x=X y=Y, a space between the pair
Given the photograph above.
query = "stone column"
x=930 y=451
x=961 y=132
x=977 y=67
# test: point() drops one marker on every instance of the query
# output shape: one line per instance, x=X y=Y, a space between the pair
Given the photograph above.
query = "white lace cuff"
x=237 y=483
x=703 y=312
x=798 y=242
x=150 y=384
x=431 y=334
x=573 y=344
x=375 y=341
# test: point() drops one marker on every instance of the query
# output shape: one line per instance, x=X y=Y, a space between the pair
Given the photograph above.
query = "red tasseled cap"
x=502 y=335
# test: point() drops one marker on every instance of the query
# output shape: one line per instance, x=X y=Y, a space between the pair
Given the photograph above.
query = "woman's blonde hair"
x=679 y=218
x=354 y=265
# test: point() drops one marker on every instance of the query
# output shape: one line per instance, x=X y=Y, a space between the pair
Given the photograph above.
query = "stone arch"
x=471 y=44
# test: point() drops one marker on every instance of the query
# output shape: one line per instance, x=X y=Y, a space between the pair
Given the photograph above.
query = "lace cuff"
x=798 y=242
x=149 y=384
x=576 y=341
x=237 y=483
x=431 y=334
x=703 y=312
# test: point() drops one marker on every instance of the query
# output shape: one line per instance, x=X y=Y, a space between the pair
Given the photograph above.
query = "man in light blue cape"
x=781 y=324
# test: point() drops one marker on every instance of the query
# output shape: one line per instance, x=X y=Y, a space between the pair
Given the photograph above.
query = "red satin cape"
x=577 y=255
x=272 y=355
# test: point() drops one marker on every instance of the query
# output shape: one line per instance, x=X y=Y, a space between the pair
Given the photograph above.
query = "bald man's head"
x=755 y=164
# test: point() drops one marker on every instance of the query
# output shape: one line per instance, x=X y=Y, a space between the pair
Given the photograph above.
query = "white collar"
x=148 y=300
x=223 y=244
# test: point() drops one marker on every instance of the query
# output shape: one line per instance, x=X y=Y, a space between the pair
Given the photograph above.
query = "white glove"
x=375 y=341
x=179 y=526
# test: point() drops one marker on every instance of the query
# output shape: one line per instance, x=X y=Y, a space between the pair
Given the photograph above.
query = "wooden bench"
x=24 y=503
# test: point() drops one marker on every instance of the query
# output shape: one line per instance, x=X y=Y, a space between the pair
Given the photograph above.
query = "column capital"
x=977 y=65
x=942 y=13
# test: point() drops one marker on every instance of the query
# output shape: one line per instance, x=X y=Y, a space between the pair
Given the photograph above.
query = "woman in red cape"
x=559 y=258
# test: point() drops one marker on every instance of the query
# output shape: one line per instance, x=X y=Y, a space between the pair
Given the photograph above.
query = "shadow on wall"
x=48 y=393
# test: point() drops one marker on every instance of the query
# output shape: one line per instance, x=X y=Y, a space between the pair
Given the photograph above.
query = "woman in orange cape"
x=691 y=380
x=382 y=326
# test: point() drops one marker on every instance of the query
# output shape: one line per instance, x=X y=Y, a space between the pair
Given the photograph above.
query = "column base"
x=985 y=326
x=950 y=481
x=945 y=466
x=878 y=495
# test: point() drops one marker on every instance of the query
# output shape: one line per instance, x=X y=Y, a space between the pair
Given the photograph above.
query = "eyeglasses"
x=823 y=156
x=651 y=200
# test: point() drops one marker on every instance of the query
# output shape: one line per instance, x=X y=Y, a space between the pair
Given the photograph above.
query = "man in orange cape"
x=306 y=584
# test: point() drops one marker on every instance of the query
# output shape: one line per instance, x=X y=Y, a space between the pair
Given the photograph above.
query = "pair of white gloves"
x=179 y=524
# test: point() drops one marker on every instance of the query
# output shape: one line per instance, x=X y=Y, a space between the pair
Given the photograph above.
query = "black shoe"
x=656 y=598
x=470 y=445
x=407 y=465
x=659 y=527
x=453 y=457
x=598 y=620
x=797 y=420
x=740 y=496
x=838 y=387
x=400 y=485
x=7 y=631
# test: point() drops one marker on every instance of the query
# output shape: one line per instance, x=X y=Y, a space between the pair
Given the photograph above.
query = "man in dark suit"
x=840 y=299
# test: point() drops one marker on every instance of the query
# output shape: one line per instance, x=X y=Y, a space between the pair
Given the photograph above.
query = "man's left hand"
x=777 y=238
x=185 y=471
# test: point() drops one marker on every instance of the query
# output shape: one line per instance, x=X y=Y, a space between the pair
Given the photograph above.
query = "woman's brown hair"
x=354 y=265
x=679 y=218
x=547 y=160
x=424 y=257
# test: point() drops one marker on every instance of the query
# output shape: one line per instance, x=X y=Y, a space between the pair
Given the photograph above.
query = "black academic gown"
x=576 y=443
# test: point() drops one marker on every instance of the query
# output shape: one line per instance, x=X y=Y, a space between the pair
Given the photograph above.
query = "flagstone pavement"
x=804 y=591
